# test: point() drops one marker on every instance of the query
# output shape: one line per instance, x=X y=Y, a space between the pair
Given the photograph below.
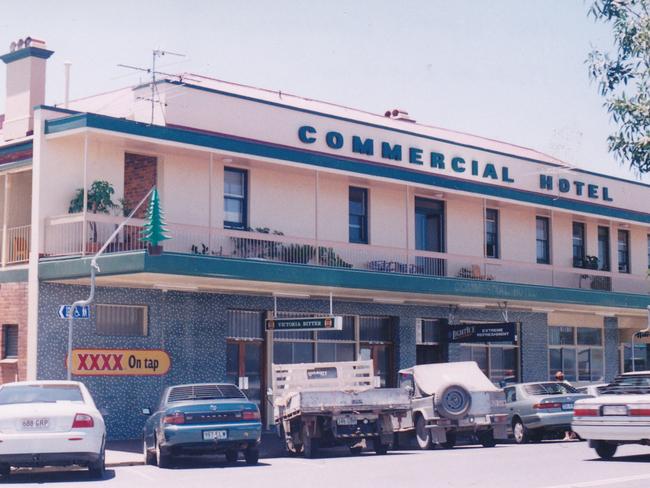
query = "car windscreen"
x=10 y=395
x=550 y=388
x=204 y=392
x=628 y=384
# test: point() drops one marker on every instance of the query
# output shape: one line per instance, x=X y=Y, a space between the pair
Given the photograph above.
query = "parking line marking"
x=604 y=482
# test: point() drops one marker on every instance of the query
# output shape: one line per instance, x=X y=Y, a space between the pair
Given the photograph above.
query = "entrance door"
x=244 y=368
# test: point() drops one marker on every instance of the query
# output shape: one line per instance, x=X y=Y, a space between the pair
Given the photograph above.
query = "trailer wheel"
x=310 y=444
x=605 y=450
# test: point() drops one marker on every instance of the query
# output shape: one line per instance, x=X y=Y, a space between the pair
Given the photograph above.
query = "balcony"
x=67 y=235
x=15 y=248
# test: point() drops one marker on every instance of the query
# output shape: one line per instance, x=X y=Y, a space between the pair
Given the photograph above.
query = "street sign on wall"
x=79 y=312
x=482 y=333
x=120 y=362
x=306 y=323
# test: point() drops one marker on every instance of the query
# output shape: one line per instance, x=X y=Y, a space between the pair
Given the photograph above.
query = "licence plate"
x=346 y=421
x=614 y=410
x=36 y=424
x=211 y=435
x=567 y=406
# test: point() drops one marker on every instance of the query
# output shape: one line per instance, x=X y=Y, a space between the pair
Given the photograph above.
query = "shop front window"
x=498 y=362
x=577 y=352
x=641 y=359
x=428 y=339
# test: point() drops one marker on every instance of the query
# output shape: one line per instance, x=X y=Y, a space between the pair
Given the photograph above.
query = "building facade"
x=280 y=206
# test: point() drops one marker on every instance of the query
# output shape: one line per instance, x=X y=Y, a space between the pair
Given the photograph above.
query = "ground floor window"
x=499 y=362
x=429 y=340
x=641 y=357
x=577 y=352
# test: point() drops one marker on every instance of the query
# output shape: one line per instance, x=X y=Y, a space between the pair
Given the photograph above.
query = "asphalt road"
x=546 y=465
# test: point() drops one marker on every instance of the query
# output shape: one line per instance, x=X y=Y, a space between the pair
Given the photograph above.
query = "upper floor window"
x=542 y=240
x=9 y=341
x=603 y=248
x=623 y=251
x=491 y=233
x=578 y=244
x=358 y=215
x=235 y=198
x=429 y=225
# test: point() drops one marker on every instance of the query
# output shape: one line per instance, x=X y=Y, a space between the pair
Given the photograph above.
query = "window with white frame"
x=577 y=352
x=121 y=320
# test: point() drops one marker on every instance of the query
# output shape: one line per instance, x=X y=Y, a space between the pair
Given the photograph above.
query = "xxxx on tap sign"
x=120 y=362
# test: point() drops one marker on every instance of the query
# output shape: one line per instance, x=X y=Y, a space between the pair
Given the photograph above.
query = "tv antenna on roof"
x=156 y=53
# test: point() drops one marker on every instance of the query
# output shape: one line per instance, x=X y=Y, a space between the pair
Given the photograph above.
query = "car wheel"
x=605 y=450
x=451 y=440
x=310 y=444
x=519 y=431
x=379 y=448
x=486 y=438
x=149 y=455
x=232 y=455
x=422 y=434
x=5 y=470
x=97 y=469
x=251 y=455
x=355 y=450
x=163 y=458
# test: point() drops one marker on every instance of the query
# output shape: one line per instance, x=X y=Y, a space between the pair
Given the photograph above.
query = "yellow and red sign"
x=120 y=362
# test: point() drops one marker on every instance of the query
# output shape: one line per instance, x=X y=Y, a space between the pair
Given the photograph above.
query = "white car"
x=50 y=423
x=620 y=415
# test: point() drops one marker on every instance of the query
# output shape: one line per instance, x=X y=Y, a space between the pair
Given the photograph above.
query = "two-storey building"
x=275 y=203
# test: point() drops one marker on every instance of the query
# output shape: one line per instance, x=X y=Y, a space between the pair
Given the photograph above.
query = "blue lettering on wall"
x=363 y=147
x=490 y=172
x=592 y=191
x=394 y=152
x=334 y=140
x=564 y=185
x=437 y=160
x=606 y=196
x=545 y=182
x=579 y=185
x=302 y=134
x=458 y=165
x=505 y=175
x=415 y=155
x=475 y=168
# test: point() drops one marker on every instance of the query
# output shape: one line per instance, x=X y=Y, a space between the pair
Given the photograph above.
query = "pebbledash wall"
x=191 y=328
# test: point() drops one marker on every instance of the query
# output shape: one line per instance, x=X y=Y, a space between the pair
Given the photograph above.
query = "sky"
x=512 y=70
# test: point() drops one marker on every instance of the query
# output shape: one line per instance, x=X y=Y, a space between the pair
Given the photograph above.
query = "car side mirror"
x=146 y=411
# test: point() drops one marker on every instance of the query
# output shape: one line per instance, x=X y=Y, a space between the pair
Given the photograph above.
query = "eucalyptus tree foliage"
x=623 y=78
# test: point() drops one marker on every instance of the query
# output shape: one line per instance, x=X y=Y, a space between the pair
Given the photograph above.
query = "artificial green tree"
x=154 y=231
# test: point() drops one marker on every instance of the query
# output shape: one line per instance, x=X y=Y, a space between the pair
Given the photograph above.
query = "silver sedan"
x=539 y=410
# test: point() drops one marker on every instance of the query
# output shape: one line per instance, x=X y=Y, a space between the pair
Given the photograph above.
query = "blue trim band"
x=22 y=146
x=27 y=52
x=258 y=148
x=400 y=131
x=300 y=274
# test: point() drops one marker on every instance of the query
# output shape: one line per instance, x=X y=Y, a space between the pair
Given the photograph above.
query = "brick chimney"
x=25 y=62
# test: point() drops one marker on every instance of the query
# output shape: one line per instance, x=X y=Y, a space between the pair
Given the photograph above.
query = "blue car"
x=205 y=418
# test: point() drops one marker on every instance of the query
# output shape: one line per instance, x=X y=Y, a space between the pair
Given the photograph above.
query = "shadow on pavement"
x=635 y=458
x=53 y=475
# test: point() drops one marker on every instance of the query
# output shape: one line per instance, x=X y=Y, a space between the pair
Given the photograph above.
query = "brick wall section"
x=13 y=310
x=140 y=174
x=611 y=348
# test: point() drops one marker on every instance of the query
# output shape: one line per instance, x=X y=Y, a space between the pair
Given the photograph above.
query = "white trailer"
x=327 y=404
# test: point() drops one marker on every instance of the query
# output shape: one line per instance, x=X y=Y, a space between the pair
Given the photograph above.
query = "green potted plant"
x=99 y=200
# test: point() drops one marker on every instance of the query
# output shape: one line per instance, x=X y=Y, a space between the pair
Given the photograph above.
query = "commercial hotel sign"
x=120 y=362
x=449 y=164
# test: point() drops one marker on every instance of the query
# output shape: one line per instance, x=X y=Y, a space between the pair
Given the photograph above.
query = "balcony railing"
x=17 y=245
x=67 y=235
